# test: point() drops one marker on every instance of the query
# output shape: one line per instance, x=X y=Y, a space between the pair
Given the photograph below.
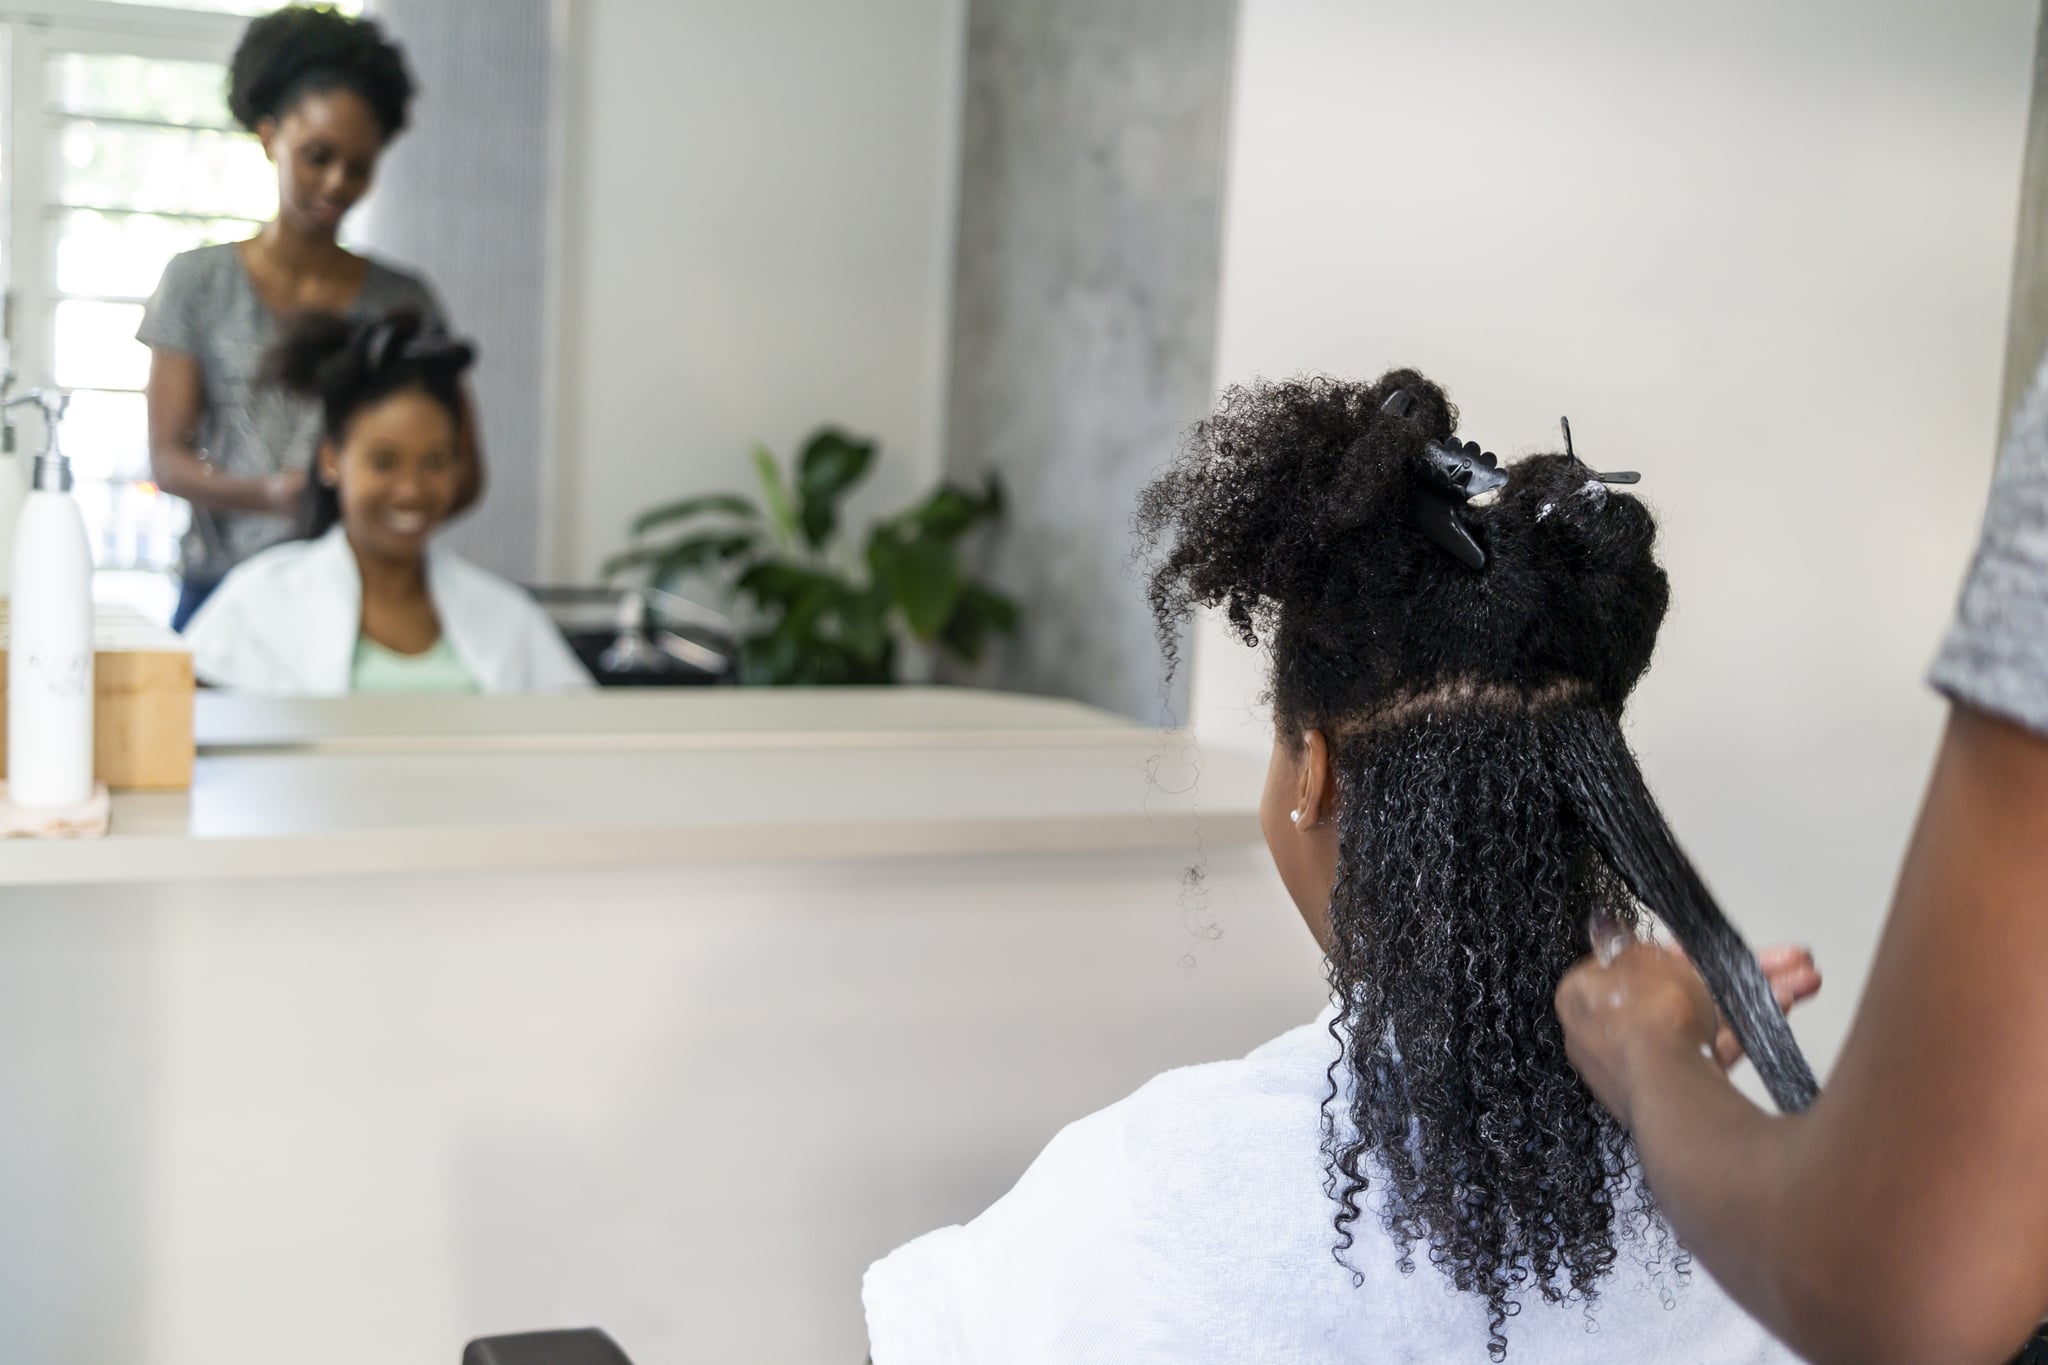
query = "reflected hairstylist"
x=325 y=94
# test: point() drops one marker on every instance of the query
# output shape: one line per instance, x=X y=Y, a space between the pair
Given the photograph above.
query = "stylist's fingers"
x=1789 y=969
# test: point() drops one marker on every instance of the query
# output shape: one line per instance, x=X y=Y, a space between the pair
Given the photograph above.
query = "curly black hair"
x=1488 y=809
x=350 y=363
x=301 y=49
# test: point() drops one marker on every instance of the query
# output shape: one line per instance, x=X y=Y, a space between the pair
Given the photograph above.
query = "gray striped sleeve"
x=1995 y=657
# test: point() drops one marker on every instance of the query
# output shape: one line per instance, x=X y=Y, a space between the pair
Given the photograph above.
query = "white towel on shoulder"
x=1188 y=1222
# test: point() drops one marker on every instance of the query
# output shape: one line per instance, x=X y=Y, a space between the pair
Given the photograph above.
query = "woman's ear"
x=266 y=133
x=328 y=463
x=1316 y=798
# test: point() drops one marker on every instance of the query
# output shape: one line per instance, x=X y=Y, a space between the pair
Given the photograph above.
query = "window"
x=119 y=153
x=142 y=163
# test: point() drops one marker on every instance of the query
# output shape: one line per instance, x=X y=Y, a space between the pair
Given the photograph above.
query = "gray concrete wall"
x=463 y=198
x=1084 y=309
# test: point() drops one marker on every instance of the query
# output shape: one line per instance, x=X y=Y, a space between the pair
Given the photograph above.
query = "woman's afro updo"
x=303 y=48
x=1289 y=509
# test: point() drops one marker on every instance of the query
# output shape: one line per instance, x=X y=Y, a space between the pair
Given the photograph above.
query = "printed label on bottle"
x=64 y=675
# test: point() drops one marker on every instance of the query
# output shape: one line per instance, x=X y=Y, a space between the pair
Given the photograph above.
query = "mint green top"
x=378 y=670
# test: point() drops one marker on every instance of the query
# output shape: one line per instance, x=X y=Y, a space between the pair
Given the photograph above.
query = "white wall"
x=1759 y=252
x=756 y=239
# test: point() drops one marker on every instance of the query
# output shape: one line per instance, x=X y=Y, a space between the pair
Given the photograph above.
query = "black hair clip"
x=429 y=342
x=377 y=343
x=1619 y=476
x=434 y=345
x=1454 y=473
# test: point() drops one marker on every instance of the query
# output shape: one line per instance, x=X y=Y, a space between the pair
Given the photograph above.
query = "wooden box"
x=142 y=702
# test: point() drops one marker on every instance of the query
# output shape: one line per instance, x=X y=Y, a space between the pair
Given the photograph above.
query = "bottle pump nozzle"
x=52 y=472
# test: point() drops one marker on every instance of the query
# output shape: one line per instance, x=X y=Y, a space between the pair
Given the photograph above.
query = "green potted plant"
x=813 y=608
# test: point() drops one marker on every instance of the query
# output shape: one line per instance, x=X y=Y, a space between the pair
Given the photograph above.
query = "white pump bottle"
x=49 y=649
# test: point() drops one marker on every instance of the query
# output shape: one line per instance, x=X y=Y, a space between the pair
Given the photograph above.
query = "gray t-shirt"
x=207 y=307
x=1996 y=655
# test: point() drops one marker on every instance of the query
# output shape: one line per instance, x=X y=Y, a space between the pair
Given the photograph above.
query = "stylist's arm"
x=1904 y=1218
x=325 y=94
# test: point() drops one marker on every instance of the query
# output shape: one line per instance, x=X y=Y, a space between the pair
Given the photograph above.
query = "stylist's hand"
x=284 y=490
x=1644 y=1008
x=1647 y=1007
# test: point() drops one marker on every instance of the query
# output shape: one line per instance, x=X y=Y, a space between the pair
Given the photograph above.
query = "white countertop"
x=664 y=717
x=615 y=778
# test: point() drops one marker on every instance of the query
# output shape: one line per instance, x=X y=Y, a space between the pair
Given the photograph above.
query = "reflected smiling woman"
x=325 y=94
x=366 y=603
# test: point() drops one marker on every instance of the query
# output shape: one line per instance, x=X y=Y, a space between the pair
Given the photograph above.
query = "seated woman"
x=364 y=601
x=1419 y=1175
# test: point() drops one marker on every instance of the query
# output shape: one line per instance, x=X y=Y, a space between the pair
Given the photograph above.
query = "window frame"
x=32 y=35
x=32 y=293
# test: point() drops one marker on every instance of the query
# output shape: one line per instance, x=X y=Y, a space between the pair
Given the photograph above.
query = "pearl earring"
x=1295 y=816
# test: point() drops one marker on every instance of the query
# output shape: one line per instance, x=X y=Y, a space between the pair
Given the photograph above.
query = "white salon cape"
x=1188 y=1223
x=284 y=623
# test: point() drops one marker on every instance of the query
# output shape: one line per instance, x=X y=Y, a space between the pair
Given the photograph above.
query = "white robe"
x=284 y=623
x=1188 y=1223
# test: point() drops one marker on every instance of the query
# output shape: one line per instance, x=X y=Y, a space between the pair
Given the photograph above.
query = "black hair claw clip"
x=1454 y=473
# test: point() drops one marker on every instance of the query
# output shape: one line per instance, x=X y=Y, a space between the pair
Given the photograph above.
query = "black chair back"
x=579 y=1346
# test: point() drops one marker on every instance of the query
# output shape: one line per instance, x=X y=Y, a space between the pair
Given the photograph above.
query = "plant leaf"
x=921 y=576
x=775 y=494
x=695 y=552
x=727 y=504
x=779 y=582
x=767 y=659
x=821 y=628
x=691 y=552
x=951 y=511
x=947 y=512
x=638 y=557
x=831 y=463
x=864 y=619
x=980 y=613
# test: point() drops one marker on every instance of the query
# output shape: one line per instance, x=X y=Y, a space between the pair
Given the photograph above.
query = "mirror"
x=659 y=291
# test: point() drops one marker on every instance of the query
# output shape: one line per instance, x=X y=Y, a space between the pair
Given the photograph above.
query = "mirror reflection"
x=328 y=161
